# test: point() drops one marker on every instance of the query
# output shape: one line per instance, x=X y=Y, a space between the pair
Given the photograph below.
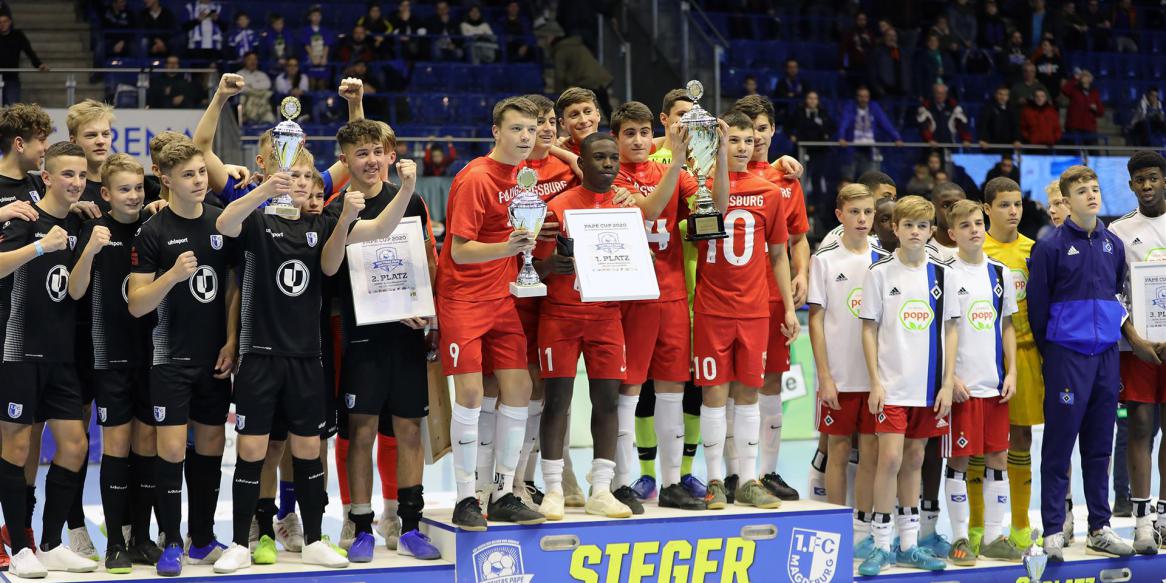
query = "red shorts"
x=481 y=335
x=978 y=426
x=853 y=417
x=528 y=309
x=912 y=422
x=1141 y=382
x=560 y=340
x=727 y=349
x=658 y=341
x=778 y=351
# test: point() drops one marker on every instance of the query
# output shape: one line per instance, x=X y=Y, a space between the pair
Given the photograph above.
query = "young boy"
x=90 y=125
x=1079 y=269
x=835 y=297
x=944 y=196
x=1058 y=205
x=24 y=134
x=909 y=341
x=676 y=104
x=579 y=114
x=1143 y=231
x=40 y=380
x=881 y=187
x=979 y=418
x=315 y=203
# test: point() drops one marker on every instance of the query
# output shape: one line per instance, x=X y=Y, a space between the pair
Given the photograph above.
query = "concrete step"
x=26 y=12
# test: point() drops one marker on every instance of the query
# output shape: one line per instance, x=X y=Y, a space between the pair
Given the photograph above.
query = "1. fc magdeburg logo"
x=813 y=556
x=204 y=284
x=57 y=283
x=292 y=277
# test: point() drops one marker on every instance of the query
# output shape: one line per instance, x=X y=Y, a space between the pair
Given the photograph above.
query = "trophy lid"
x=527 y=178
x=697 y=115
x=289 y=108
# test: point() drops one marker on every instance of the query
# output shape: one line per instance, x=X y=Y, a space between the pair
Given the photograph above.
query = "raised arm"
x=654 y=204
x=230 y=222
x=352 y=90
x=384 y=223
x=230 y=85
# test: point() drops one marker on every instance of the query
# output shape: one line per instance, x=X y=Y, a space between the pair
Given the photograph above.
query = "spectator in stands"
x=256 y=97
x=961 y=17
x=933 y=64
x=1070 y=29
x=330 y=110
x=316 y=39
x=790 y=87
x=1084 y=106
x=1036 y=22
x=1040 y=123
x=1012 y=60
x=358 y=46
x=446 y=44
x=992 y=28
x=277 y=41
x=1025 y=90
x=921 y=181
x=942 y=119
x=889 y=67
x=863 y=122
x=1006 y=167
x=948 y=42
x=857 y=46
x=999 y=121
x=160 y=25
x=575 y=66
x=293 y=82
x=1050 y=67
x=516 y=30
x=811 y=123
x=1125 y=20
x=242 y=39
x=116 y=21
x=12 y=43
x=407 y=29
x=1101 y=26
x=749 y=85
x=480 y=40
x=1148 y=123
x=204 y=34
x=172 y=90
x=438 y=158
x=374 y=21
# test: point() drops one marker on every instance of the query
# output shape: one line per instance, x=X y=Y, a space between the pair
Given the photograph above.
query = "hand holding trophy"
x=706 y=222
x=286 y=140
x=527 y=211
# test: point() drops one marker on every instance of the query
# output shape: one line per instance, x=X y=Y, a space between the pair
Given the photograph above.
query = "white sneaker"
x=26 y=566
x=1145 y=539
x=347 y=533
x=80 y=543
x=484 y=501
x=572 y=494
x=234 y=558
x=389 y=528
x=289 y=533
x=320 y=553
x=524 y=495
x=62 y=558
x=253 y=534
x=603 y=503
x=552 y=506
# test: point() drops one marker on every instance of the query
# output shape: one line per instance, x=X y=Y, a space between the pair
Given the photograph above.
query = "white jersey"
x=986 y=296
x=836 y=279
x=835 y=236
x=1145 y=240
x=910 y=305
x=941 y=253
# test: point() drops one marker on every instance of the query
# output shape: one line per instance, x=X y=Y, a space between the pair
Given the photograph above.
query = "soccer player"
x=40 y=380
x=1058 y=205
x=1004 y=204
x=941 y=246
x=1143 y=377
x=180 y=267
x=90 y=125
x=731 y=326
x=480 y=322
x=315 y=203
x=1075 y=276
x=909 y=339
x=24 y=134
x=884 y=225
x=881 y=187
x=579 y=114
x=837 y=272
x=979 y=416
x=676 y=104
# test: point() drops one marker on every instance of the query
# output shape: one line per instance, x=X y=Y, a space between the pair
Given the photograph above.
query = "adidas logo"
x=894 y=291
x=841 y=277
x=963 y=291
x=1136 y=241
x=941 y=424
x=1072 y=250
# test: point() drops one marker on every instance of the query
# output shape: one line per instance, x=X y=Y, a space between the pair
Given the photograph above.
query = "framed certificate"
x=390 y=277
x=612 y=259
x=1148 y=299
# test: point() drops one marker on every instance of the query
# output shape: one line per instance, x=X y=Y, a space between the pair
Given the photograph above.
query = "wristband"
x=40 y=250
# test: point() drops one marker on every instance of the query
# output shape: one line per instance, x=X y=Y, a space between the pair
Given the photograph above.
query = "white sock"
x=712 y=433
x=390 y=508
x=669 y=436
x=851 y=474
x=882 y=530
x=487 y=423
x=463 y=430
x=907 y=521
x=730 y=446
x=770 y=407
x=511 y=429
x=534 y=412
x=860 y=522
x=1161 y=522
x=553 y=475
x=602 y=471
x=745 y=437
x=955 y=486
x=534 y=418
x=818 y=477
x=996 y=503
x=625 y=443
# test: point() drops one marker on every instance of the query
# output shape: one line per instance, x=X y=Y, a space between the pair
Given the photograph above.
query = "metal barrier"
x=143 y=83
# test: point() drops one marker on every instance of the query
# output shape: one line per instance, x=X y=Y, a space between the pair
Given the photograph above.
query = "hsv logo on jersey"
x=916 y=315
x=57 y=283
x=204 y=284
x=292 y=277
x=982 y=315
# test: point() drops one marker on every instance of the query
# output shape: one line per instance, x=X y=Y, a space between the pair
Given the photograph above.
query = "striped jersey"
x=36 y=312
x=985 y=296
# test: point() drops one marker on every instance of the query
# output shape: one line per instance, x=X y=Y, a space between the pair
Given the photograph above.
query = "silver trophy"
x=527 y=211
x=286 y=140
x=1035 y=561
x=706 y=222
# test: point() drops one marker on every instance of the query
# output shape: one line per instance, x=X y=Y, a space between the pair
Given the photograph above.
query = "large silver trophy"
x=527 y=211
x=705 y=222
x=286 y=140
x=1035 y=561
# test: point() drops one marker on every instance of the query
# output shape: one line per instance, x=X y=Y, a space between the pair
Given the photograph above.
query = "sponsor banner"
x=133 y=128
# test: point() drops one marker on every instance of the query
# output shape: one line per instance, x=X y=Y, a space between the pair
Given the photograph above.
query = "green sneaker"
x=961 y=554
x=264 y=553
x=1022 y=538
x=1002 y=549
x=975 y=535
x=716 y=499
x=752 y=493
x=328 y=541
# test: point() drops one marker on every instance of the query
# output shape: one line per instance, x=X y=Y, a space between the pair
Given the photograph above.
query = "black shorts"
x=271 y=386
x=123 y=394
x=38 y=391
x=181 y=393
x=387 y=379
x=83 y=359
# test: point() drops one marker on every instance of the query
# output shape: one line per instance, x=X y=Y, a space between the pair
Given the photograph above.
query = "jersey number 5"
x=729 y=242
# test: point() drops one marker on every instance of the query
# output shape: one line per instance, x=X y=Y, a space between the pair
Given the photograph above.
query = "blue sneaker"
x=415 y=544
x=645 y=488
x=170 y=563
x=694 y=486
x=875 y=563
x=206 y=555
x=864 y=548
x=939 y=545
x=920 y=557
x=362 y=547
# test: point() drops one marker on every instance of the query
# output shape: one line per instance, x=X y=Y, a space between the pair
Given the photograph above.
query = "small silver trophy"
x=1035 y=561
x=286 y=140
x=706 y=222
x=527 y=211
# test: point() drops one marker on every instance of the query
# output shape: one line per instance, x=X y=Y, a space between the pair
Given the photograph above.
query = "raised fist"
x=351 y=88
x=98 y=240
x=231 y=84
x=184 y=266
x=353 y=205
x=407 y=170
x=56 y=240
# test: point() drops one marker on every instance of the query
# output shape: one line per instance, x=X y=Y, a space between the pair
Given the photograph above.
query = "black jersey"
x=35 y=308
x=29 y=189
x=92 y=193
x=191 y=323
x=119 y=339
x=343 y=286
x=281 y=283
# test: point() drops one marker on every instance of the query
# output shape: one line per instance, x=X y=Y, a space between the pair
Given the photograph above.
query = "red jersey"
x=563 y=299
x=731 y=272
x=793 y=207
x=478 y=210
x=554 y=176
x=664 y=232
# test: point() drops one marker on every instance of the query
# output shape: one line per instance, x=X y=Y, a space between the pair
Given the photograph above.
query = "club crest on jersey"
x=14 y=410
x=159 y=414
x=34 y=195
x=216 y=242
x=72 y=242
x=882 y=417
x=204 y=284
x=962 y=441
x=1107 y=247
x=240 y=422
x=292 y=277
x=828 y=420
x=349 y=400
x=1067 y=397
x=312 y=240
x=57 y=283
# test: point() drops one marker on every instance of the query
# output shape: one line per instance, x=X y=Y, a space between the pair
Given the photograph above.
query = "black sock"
x=203 y=477
x=310 y=491
x=265 y=515
x=76 y=510
x=194 y=502
x=60 y=485
x=115 y=478
x=29 y=505
x=245 y=495
x=143 y=494
x=168 y=494
x=14 y=499
x=363 y=522
x=410 y=503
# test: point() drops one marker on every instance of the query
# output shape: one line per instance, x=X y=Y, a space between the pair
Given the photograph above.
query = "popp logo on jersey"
x=1020 y=283
x=916 y=315
x=982 y=315
x=57 y=283
x=854 y=301
x=204 y=284
x=292 y=277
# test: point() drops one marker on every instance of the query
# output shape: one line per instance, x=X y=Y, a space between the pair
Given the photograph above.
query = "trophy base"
x=286 y=212
x=537 y=290
x=706 y=227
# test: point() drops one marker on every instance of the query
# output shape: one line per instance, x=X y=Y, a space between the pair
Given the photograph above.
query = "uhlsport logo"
x=813 y=555
x=916 y=315
x=982 y=315
x=499 y=561
x=854 y=301
x=1020 y=282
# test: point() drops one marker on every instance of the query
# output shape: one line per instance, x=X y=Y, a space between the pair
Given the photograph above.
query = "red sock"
x=342 y=469
x=387 y=465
